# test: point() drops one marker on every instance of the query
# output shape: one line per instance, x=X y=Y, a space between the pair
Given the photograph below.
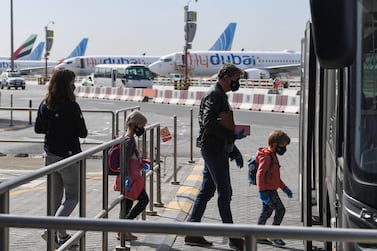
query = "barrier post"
x=11 y=110
x=191 y=137
x=30 y=105
x=175 y=182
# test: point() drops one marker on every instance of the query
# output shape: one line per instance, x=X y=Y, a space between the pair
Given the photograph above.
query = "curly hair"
x=60 y=88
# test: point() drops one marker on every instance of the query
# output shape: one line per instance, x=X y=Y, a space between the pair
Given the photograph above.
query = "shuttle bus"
x=123 y=75
x=338 y=122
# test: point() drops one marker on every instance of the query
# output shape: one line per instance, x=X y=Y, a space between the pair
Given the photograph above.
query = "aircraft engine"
x=256 y=74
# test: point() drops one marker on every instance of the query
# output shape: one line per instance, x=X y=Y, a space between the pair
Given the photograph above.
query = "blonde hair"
x=136 y=117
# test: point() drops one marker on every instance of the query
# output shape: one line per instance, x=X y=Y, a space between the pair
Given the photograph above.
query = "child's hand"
x=264 y=197
x=128 y=183
x=288 y=192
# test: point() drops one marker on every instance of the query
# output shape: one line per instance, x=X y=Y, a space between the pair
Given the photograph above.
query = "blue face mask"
x=234 y=85
x=139 y=131
x=281 y=150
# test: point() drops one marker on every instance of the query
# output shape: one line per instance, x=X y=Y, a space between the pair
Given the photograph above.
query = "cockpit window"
x=167 y=59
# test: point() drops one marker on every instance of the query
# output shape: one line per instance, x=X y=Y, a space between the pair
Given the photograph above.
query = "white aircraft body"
x=39 y=66
x=85 y=65
x=256 y=64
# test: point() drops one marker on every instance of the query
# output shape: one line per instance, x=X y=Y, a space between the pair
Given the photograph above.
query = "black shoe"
x=236 y=243
x=197 y=241
x=278 y=243
x=264 y=241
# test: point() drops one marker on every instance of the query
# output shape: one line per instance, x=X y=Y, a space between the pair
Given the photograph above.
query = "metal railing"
x=153 y=141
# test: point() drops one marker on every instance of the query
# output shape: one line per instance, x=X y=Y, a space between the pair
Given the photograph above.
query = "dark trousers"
x=142 y=202
x=267 y=209
x=215 y=177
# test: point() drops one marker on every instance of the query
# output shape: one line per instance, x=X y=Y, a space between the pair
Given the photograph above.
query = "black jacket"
x=62 y=128
x=212 y=134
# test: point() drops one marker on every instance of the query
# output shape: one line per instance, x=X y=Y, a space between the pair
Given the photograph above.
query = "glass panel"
x=367 y=113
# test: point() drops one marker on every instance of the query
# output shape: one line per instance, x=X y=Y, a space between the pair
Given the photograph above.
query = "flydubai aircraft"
x=38 y=66
x=85 y=65
x=24 y=50
x=256 y=64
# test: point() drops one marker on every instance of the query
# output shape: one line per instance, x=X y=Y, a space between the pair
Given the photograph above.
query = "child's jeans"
x=274 y=204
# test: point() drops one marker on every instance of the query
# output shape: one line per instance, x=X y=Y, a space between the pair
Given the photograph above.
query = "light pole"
x=190 y=29
x=11 y=36
x=49 y=41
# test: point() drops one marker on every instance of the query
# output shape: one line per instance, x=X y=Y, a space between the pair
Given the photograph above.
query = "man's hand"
x=288 y=192
x=240 y=134
x=239 y=160
x=263 y=195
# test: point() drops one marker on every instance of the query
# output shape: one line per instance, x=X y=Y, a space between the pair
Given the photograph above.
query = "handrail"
x=250 y=232
x=8 y=185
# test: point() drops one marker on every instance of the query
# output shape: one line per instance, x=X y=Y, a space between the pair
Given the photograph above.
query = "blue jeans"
x=274 y=204
x=215 y=177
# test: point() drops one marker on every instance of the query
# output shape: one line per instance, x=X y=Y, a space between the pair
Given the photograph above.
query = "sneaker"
x=197 y=241
x=56 y=241
x=128 y=236
x=264 y=241
x=278 y=243
x=236 y=243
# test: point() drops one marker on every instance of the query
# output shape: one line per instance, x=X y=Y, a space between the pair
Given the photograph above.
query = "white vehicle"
x=123 y=75
x=12 y=79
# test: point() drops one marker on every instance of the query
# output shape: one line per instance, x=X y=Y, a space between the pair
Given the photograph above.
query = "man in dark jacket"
x=216 y=142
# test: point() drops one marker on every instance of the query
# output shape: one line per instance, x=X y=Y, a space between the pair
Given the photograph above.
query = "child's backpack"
x=253 y=167
x=113 y=159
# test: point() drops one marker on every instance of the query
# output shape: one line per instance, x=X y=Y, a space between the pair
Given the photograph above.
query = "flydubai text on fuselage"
x=85 y=65
x=207 y=63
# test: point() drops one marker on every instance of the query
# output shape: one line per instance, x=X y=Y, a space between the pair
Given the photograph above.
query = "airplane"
x=38 y=66
x=84 y=65
x=256 y=64
x=24 y=50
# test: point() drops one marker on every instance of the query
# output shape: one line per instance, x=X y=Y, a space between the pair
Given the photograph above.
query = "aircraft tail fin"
x=36 y=54
x=225 y=41
x=80 y=49
x=25 y=48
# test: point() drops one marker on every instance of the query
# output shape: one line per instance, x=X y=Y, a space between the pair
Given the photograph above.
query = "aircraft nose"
x=156 y=68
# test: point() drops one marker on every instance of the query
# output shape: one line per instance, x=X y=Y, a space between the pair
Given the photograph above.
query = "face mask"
x=234 y=85
x=281 y=150
x=139 y=131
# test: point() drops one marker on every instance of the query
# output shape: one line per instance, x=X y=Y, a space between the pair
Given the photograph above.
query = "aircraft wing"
x=283 y=68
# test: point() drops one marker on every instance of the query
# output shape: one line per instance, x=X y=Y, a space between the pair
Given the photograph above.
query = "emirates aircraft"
x=256 y=64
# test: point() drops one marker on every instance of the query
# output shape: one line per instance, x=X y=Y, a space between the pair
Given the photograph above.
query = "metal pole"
x=11 y=110
x=46 y=55
x=191 y=136
x=175 y=182
x=30 y=105
x=11 y=36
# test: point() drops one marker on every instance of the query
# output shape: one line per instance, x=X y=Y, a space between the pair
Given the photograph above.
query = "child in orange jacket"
x=268 y=181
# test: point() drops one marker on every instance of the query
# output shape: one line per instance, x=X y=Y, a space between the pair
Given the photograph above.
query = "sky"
x=153 y=27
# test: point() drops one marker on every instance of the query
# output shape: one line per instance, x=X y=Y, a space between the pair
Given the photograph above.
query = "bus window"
x=367 y=98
